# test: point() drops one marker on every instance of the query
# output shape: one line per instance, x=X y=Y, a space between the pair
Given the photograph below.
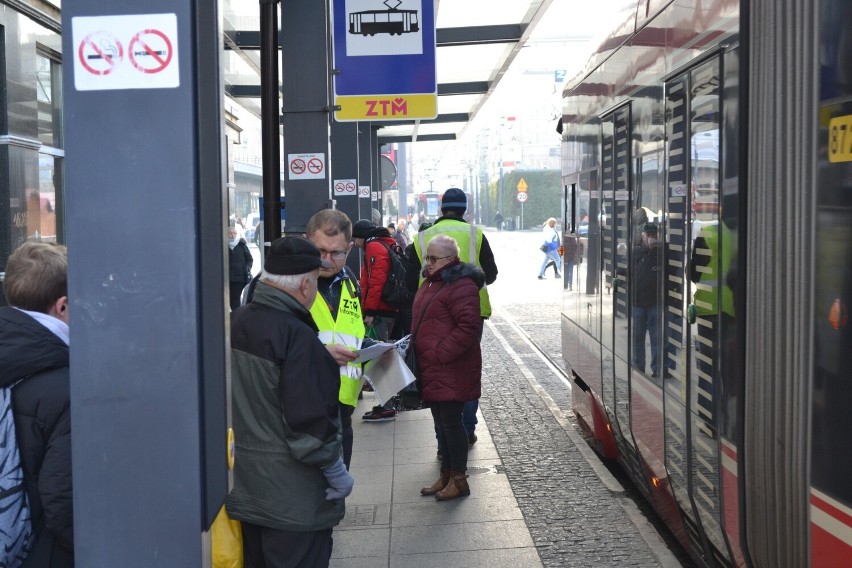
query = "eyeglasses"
x=430 y=259
x=334 y=254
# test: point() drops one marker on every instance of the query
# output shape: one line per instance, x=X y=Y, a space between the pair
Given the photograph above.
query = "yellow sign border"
x=384 y=108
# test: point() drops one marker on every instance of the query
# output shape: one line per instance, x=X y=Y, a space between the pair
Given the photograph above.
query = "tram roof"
x=477 y=40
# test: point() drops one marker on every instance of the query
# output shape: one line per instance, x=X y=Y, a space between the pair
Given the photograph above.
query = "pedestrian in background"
x=550 y=247
x=34 y=339
x=572 y=257
x=379 y=316
x=398 y=235
x=498 y=221
x=374 y=241
x=446 y=319
x=240 y=262
x=289 y=477
x=647 y=276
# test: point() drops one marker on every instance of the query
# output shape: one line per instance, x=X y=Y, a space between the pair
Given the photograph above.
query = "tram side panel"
x=663 y=427
x=831 y=422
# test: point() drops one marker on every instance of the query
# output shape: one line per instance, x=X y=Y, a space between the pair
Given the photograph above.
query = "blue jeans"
x=548 y=256
x=645 y=319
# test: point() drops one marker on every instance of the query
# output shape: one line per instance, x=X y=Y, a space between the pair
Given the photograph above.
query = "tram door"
x=617 y=243
x=694 y=301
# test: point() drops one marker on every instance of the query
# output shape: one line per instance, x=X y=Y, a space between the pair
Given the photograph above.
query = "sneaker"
x=380 y=414
x=375 y=409
x=558 y=276
x=471 y=439
x=540 y=277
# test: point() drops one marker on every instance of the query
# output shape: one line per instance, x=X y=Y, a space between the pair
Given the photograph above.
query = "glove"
x=339 y=479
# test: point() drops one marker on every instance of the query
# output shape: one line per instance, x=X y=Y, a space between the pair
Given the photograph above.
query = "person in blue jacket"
x=550 y=248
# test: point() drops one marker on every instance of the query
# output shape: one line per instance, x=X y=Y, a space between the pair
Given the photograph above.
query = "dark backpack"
x=16 y=532
x=395 y=293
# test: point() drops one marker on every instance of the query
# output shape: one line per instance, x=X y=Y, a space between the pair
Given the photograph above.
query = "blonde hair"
x=36 y=276
x=546 y=223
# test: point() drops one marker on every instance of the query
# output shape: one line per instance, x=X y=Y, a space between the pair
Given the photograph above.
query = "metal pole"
x=270 y=140
x=500 y=206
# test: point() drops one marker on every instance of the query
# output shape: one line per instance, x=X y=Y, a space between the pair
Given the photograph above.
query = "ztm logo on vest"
x=348 y=307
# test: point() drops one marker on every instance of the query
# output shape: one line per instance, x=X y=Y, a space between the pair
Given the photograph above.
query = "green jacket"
x=286 y=416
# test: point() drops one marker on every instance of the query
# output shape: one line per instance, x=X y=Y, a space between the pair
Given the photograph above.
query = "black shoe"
x=471 y=439
x=540 y=277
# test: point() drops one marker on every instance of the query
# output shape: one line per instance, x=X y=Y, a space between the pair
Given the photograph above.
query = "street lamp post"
x=500 y=179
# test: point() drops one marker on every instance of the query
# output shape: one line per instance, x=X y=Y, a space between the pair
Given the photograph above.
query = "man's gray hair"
x=288 y=281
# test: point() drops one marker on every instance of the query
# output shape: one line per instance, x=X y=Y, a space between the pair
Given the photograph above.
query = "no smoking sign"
x=125 y=52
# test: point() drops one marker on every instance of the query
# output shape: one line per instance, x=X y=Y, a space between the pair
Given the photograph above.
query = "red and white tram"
x=726 y=124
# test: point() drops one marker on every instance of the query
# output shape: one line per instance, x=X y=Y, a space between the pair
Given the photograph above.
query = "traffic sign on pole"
x=521 y=197
x=522 y=186
x=384 y=60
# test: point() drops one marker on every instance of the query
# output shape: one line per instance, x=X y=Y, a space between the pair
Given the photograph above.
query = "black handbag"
x=410 y=395
x=543 y=248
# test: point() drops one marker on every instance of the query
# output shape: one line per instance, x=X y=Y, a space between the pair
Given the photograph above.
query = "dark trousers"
x=264 y=547
x=346 y=412
x=235 y=291
x=452 y=438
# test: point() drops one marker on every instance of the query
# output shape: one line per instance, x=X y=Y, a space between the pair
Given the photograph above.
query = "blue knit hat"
x=454 y=198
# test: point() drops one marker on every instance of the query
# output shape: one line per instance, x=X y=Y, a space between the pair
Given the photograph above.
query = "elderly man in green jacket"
x=289 y=478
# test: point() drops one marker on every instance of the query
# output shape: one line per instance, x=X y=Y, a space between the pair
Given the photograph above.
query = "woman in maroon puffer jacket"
x=446 y=319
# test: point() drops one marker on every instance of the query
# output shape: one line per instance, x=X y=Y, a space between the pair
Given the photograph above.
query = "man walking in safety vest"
x=473 y=248
x=337 y=311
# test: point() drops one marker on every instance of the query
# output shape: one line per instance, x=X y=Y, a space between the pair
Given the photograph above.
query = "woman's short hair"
x=448 y=245
x=331 y=222
x=36 y=276
x=546 y=223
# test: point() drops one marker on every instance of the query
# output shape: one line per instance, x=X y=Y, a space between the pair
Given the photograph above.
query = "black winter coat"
x=646 y=278
x=240 y=262
x=42 y=410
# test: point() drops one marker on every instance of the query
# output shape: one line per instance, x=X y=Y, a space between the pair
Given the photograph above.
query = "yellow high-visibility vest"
x=348 y=331
x=709 y=290
x=469 y=238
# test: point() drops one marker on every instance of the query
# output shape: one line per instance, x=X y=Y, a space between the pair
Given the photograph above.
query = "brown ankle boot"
x=457 y=487
x=438 y=485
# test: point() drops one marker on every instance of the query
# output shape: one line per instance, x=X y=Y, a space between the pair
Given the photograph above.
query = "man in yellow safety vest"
x=337 y=310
